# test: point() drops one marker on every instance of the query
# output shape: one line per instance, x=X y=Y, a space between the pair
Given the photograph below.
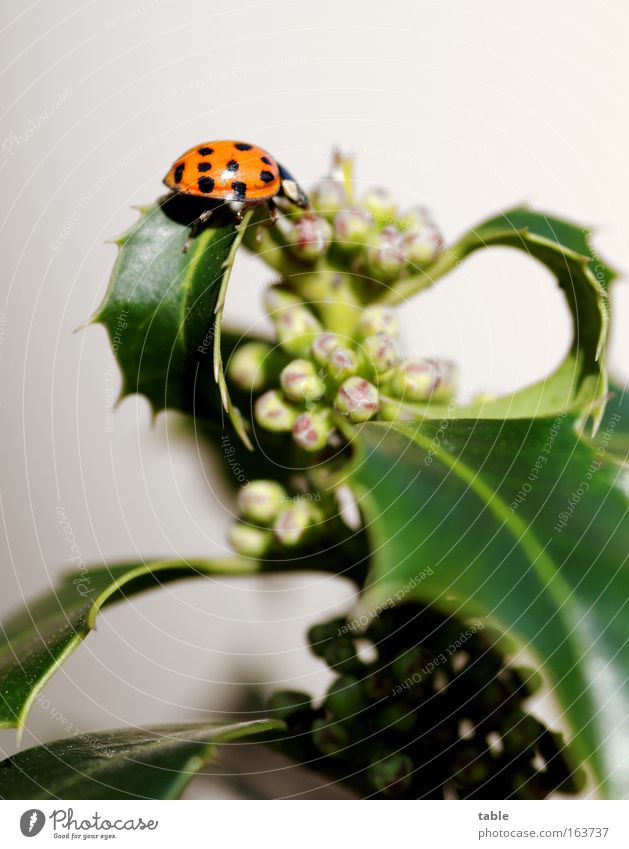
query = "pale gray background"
x=466 y=107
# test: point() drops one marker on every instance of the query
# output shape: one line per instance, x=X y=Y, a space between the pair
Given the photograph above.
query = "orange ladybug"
x=233 y=171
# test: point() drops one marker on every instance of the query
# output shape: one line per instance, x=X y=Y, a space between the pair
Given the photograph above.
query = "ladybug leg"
x=273 y=213
x=244 y=209
x=204 y=217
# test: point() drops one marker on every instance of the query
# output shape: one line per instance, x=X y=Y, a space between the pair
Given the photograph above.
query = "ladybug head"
x=291 y=188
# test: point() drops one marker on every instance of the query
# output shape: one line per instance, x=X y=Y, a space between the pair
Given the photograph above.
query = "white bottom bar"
x=317 y=825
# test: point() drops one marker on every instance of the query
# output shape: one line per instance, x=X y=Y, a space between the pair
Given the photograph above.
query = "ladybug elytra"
x=233 y=171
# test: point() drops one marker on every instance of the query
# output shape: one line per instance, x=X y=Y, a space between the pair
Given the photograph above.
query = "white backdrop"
x=466 y=107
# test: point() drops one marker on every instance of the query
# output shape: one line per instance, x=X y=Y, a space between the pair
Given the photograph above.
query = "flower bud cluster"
x=271 y=518
x=413 y=719
x=369 y=236
x=323 y=376
x=330 y=374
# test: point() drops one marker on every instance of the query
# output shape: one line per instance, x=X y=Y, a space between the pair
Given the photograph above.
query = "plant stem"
x=409 y=286
x=219 y=374
x=333 y=294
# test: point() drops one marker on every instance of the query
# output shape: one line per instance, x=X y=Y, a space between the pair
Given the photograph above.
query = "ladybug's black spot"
x=232 y=165
x=242 y=146
x=179 y=172
x=266 y=160
x=266 y=176
x=206 y=185
x=204 y=166
x=240 y=189
x=206 y=151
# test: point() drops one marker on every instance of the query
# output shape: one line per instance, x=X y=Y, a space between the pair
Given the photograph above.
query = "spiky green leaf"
x=35 y=642
x=152 y=763
x=523 y=523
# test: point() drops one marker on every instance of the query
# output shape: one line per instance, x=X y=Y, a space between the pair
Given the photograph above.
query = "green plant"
x=484 y=527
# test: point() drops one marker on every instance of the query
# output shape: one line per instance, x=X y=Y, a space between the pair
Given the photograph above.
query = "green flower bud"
x=341 y=656
x=392 y=775
x=296 y=329
x=352 y=227
x=248 y=540
x=379 y=684
x=488 y=695
x=385 y=255
x=330 y=738
x=392 y=410
x=470 y=765
x=289 y=704
x=323 y=346
x=424 y=379
x=272 y=412
x=328 y=197
x=358 y=399
x=414 y=219
x=408 y=665
x=311 y=431
x=381 y=204
x=292 y=524
x=322 y=634
x=277 y=298
x=342 y=363
x=378 y=319
x=396 y=717
x=301 y=382
x=422 y=246
x=260 y=501
x=309 y=237
x=382 y=626
x=520 y=732
x=345 y=698
x=381 y=352
x=248 y=366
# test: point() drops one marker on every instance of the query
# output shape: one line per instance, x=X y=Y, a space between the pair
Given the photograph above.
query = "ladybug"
x=233 y=171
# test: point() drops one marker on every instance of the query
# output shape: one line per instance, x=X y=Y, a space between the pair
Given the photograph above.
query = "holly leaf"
x=522 y=523
x=580 y=382
x=616 y=424
x=35 y=642
x=152 y=763
x=160 y=310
